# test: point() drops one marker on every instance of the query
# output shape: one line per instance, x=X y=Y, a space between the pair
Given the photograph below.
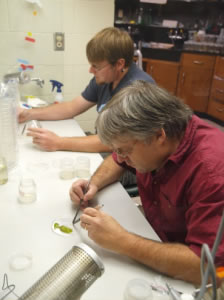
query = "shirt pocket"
x=173 y=212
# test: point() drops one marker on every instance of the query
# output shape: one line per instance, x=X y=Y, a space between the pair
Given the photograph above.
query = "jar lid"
x=20 y=261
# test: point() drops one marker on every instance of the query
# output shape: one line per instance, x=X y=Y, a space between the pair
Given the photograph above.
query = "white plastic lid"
x=20 y=261
x=138 y=289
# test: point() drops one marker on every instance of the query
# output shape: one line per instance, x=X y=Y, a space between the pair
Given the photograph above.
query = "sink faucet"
x=38 y=81
x=20 y=77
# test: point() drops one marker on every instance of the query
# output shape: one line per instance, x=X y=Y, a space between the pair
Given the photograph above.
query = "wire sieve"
x=69 y=278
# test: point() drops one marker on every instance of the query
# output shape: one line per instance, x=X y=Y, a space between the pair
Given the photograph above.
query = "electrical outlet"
x=59 y=41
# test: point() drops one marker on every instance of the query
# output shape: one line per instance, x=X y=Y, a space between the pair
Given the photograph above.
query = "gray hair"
x=140 y=110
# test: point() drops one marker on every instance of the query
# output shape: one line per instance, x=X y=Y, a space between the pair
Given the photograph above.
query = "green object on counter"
x=63 y=228
x=56 y=225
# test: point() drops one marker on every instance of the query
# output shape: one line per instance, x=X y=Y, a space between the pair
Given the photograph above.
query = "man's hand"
x=173 y=259
x=103 y=229
x=77 y=191
x=45 y=139
x=23 y=115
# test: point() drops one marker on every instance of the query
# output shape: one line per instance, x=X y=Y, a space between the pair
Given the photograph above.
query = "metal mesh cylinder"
x=69 y=277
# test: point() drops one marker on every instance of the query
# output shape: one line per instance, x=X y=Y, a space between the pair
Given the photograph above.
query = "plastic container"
x=27 y=190
x=9 y=99
x=58 y=85
x=82 y=168
x=67 y=168
x=58 y=97
x=3 y=171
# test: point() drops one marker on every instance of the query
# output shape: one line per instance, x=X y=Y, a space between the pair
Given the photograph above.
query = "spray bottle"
x=58 y=85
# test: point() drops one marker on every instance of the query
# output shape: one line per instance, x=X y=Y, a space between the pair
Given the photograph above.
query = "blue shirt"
x=101 y=94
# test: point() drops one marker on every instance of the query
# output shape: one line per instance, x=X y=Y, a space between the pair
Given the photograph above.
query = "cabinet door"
x=216 y=100
x=219 y=66
x=216 y=108
x=165 y=73
x=195 y=80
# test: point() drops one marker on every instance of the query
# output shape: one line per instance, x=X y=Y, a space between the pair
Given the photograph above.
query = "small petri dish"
x=20 y=261
x=138 y=289
x=63 y=227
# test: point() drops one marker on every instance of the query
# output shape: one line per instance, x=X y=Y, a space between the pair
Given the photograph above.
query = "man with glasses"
x=110 y=54
x=179 y=165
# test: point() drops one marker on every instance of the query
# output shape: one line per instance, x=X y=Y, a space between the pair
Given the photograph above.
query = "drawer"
x=197 y=60
x=216 y=109
x=219 y=66
x=217 y=90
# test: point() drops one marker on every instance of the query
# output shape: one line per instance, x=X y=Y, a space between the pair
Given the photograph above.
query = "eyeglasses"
x=98 y=68
x=124 y=153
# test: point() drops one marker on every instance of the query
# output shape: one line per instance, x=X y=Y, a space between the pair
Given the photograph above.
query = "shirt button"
x=154 y=182
x=155 y=202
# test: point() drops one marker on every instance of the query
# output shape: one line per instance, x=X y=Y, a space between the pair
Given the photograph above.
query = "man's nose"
x=91 y=70
x=120 y=158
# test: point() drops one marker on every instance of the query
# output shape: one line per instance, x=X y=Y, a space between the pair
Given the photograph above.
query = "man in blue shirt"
x=110 y=54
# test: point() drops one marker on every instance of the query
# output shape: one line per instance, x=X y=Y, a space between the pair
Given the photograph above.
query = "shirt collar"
x=124 y=80
x=186 y=141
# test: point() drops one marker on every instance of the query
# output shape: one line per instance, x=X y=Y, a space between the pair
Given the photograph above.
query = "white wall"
x=78 y=19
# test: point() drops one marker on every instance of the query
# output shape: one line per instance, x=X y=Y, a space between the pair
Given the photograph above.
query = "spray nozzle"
x=56 y=84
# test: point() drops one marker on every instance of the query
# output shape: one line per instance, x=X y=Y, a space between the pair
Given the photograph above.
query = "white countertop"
x=27 y=227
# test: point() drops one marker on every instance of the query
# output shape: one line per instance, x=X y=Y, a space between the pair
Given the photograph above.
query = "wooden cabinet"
x=216 y=100
x=194 y=81
x=165 y=73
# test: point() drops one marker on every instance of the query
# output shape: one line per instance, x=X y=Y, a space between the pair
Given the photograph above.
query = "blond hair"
x=110 y=44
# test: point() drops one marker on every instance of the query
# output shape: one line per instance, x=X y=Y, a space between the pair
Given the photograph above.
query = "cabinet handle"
x=220 y=91
x=218 y=100
x=220 y=109
x=183 y=78
x=198 y=62
x=151 y=70
x=218 y=77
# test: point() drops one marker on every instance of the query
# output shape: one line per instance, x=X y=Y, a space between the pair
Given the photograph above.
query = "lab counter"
x=27 y=228
x=173 y=54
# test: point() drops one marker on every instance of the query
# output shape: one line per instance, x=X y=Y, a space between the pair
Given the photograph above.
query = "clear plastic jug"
x=9 y=99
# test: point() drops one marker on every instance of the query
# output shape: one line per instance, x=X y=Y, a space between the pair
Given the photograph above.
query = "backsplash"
x=79 y=20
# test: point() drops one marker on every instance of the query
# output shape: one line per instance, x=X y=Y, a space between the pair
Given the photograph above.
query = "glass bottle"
x=140 y=16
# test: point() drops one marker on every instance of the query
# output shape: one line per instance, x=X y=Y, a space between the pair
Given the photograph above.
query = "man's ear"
x=120 y=63
x=161 y=136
